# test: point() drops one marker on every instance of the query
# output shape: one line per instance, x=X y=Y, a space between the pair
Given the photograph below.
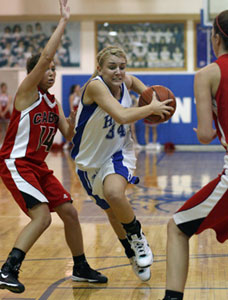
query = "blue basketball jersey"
x=98 y=137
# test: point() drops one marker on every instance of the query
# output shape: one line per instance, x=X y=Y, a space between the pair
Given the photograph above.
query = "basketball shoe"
x=140 y=246
x=9 y=279
x=141 y=273
x=83 y=272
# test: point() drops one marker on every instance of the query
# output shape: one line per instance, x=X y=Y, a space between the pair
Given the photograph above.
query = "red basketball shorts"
x=30 y=184
x=208 y=208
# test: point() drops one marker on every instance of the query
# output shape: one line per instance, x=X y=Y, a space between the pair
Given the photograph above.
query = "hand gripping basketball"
x=162 y=94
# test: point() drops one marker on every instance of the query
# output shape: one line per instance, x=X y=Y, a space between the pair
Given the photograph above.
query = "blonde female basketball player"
x=103 y=148
x=208 y=208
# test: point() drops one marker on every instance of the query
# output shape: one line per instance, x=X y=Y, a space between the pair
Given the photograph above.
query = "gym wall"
x=179 y=129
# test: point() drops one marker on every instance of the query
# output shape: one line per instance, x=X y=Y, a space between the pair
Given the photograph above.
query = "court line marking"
x=18 y=298
x=136 y=288
x=56 y=285
x=192 y=256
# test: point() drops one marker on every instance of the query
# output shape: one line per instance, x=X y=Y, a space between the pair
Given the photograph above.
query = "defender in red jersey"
x=208 y=208
x=35 y=119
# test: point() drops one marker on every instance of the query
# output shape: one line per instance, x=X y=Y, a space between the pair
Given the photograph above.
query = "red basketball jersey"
x=31 y=132
x=221 y=97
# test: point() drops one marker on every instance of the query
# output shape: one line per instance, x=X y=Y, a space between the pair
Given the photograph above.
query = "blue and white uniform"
x=102 y=147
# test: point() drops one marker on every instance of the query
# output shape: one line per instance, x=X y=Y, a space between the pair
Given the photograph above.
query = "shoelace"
x=15 y=271
x=139 y=245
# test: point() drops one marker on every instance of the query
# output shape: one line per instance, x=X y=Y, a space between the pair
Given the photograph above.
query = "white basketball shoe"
x=142 y=273
x=143 y=253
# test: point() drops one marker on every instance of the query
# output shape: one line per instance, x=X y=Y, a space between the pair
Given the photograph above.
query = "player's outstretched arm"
x=29 y=85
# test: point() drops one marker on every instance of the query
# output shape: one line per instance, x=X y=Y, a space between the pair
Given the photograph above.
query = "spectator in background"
x=154 y=145
x=28 y=52
x=66 y=44
x=178 y=57
x=5 y=56
x=75 y=96
x=28 y=34
x=152 y=58
x=17 y=34
x=38 y=31
x=167 y=35
x=63 y=55
x=7 y=35
x=140 y=52
x=165 y=56
x=5 y=110
x=29 y=30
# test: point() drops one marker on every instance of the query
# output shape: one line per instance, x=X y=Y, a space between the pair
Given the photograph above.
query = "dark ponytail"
x=221 y=27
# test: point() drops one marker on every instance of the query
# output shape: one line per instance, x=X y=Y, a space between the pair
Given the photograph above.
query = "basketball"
x=162 y=93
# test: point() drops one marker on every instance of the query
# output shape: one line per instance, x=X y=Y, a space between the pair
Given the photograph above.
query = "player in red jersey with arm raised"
x=35 y=119
x=208 y=208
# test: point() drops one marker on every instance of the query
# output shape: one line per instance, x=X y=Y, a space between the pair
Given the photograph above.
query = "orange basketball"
x=162 y=93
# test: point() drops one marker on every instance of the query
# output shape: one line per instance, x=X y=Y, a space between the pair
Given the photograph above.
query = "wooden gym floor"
x=167 y=180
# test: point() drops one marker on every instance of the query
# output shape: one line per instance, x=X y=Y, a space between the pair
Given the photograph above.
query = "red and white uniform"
x=4 y=99
x=27 y=143
x=208 y=208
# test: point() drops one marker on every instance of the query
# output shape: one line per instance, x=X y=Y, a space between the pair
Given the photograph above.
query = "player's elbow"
x=123 y=116
x=205 y=137
x=120 y=119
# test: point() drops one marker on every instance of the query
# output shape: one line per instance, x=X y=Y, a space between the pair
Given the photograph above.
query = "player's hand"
x=161 y=108
x=64 y=9
x=71 y=118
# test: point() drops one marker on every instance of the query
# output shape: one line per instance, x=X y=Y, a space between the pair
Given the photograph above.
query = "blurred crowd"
x=147 y=45
x=20 y=41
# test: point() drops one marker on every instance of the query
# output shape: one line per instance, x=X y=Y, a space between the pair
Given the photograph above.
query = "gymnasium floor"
x=166 y=181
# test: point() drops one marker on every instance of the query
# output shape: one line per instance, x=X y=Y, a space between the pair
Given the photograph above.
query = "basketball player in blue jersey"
x=103 y=149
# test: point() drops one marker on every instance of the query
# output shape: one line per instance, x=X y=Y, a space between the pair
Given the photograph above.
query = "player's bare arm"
x=27 y=92
x=97 y=92
x=134 y=84
x=205 y=85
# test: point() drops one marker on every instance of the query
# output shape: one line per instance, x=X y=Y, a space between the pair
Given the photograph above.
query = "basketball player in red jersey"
x=35 y=119
x=208 y=208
